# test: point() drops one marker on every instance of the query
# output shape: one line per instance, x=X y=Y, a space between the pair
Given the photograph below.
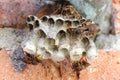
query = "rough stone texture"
x=111 y=41
x=105 y=67
x=14 y=12
x=18 y=59
x=17 y=54
x=11 y=37
x=98 y=10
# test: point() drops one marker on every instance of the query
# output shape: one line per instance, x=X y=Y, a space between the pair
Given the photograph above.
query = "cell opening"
x=59 y=22
x=65 y=51
x=37 y=24
x=86 y=42
x=28 y=19
x=64 y=12
x=51 y=21
x=61 y=34
x=54 y=48
x=68 y=23
x=76 y=23
x=30 y=26
x=82 y=20
x=32 y=18
x=50 y=41
x=84 y=53
x=41 y=33
x=44 y=18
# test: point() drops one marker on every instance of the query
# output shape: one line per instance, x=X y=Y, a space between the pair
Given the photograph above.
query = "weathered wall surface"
x=14 y=12
x=97 y=10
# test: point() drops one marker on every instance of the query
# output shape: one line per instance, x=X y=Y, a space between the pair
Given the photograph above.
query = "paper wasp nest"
x=55 y=37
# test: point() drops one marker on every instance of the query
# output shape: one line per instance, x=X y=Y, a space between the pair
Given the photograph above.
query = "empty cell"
x=44 y=18
x=59 y=22
x=53 y=48
x=28 y=19
x=65 y=51
x=41 y=33
x=31 y=26
x=86 y=42
x=32 y=18
x=75 y=23
x=36 y=23
x=68 y=23
x=50 y=41
x=82 y=21
x=61 y=35
x=51 y=21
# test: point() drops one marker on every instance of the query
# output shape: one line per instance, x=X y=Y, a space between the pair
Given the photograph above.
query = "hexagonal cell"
x=54 y=48
x=37 y=23
x=61 y=35
x=76 y=53
x=86 y=42
x=31 y=18
x=29 y=47
x=92 y=51
x=75 y=23
x=44 y=18
x=59 y=22
x=41 y=33
x=28 y=19
x=58 y=56
x=31 y=26
x=51 y=22
x=65 y=51
x=68 y=23
x=49 y=42
x=82 y=21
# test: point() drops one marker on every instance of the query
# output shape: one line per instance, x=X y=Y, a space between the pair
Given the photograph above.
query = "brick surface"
x=13 y=13
x=105 y=67
x=116 y=8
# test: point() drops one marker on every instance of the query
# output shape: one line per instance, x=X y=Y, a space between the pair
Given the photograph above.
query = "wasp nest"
x=55 y=37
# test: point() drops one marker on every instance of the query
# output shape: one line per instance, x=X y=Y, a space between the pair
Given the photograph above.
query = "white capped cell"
x=29 y=47
x=92 y=51
x=76 y=54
